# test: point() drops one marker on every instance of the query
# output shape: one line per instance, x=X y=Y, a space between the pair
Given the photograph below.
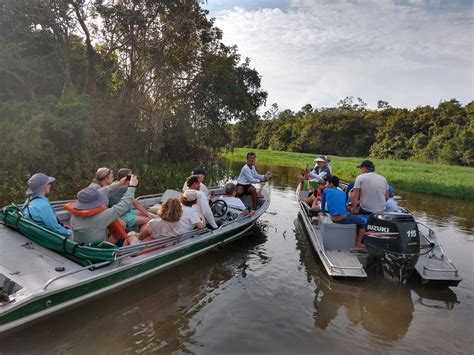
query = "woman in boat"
x=167 y=225
x=314 y=197
x=37 y=207
x=90 y=217
x=320 y=170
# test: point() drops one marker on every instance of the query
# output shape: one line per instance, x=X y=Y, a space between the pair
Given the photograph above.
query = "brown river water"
x=268 y=293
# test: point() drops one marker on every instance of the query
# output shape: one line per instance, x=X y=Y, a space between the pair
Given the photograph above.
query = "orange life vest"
x=116 y=228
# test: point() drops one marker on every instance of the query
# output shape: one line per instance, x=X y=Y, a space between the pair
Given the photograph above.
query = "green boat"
x=42 y=273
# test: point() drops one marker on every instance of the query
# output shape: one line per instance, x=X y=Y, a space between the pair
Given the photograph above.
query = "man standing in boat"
x=370 y=190
x=248 y=176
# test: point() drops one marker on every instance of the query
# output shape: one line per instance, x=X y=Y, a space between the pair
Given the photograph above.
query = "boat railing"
x=431 y=238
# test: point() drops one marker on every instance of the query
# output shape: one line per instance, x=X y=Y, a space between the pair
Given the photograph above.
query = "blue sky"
x=406 y=52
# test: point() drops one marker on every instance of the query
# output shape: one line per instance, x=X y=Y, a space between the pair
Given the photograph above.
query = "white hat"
x=319 y=159
x=190 y=195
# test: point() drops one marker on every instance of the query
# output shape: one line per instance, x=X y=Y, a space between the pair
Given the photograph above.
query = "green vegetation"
x=444 y=134
x=433 y=179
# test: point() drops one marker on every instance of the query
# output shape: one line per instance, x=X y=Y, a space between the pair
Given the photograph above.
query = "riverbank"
x=433 y=179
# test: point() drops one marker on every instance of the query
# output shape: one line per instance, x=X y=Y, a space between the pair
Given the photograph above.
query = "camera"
x=128 y=177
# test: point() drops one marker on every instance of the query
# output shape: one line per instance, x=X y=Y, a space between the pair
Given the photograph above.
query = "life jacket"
x=116 y=228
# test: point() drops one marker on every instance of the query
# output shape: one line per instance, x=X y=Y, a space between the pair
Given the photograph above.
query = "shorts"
x=245 y=187
x=359 y=220
x=130 y=218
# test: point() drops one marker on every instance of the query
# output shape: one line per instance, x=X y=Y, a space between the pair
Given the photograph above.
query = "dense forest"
x=85 y=83
x=444 y=134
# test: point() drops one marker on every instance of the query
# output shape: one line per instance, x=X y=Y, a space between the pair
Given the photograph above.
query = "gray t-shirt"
x=373 y=188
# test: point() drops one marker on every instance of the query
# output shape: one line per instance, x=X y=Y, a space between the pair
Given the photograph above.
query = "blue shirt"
x=42 y=213
x=335 y=200
x=249 y=176
x=391 y=205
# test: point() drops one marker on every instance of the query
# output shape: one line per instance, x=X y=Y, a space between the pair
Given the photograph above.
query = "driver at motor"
x=202 y=206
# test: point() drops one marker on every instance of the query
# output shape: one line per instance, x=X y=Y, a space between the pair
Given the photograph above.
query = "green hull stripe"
x=56 y=299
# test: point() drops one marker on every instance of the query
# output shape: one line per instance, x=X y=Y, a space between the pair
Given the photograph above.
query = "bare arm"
x=355 y=200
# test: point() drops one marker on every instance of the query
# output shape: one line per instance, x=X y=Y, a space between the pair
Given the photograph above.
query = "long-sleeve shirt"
x=202 y=206
x=334 y=201
x=94 y=228
x=40 y=211
x=248 y=175
x=317 y=173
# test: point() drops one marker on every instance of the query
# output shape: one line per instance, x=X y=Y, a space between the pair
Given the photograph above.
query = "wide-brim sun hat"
x=37 y=182
x=89 y=198
x=318 y=159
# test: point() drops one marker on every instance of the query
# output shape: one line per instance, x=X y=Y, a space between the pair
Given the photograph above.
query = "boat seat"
x=170 y=194
x=335 y=235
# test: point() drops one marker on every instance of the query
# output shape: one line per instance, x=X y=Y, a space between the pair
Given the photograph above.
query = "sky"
x=407 y=52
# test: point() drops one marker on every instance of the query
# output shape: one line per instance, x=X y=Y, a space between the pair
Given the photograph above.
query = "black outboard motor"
x=393 y=239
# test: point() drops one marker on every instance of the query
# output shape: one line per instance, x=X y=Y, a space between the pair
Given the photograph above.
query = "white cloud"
x=411 y=53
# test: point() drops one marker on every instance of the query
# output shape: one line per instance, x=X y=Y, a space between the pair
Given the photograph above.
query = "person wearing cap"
x=320 y=170
x=229 y=198
x=202 y=205
x=90 y=216
x=201 y=174
x=136 y=216
x=370 y=190
x=248 y=176
x=391 y=205
x=37 y=207
x=190 y=218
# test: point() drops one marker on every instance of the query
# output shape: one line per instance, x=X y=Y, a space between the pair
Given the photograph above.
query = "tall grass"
x=434 y=179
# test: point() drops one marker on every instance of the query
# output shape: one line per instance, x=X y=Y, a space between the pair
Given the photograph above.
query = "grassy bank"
x=433 y=179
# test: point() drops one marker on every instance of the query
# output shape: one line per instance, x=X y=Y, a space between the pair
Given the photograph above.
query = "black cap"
x=367 y=164
x=199 y=171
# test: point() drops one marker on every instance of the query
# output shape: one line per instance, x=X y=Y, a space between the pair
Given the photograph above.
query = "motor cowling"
x=393 y=232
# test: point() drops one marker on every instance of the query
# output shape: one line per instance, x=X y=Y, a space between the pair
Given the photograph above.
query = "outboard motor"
x=393 y=239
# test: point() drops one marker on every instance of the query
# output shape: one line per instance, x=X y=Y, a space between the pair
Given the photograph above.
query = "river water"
x=268 y=293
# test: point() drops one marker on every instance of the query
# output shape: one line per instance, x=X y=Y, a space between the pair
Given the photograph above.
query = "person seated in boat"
x=370 y=191
x=391 y=205
x=334 y=202
x=90 y=217
x=136 y=216
x=201 y=174
x=314 y=198
x=320 y=170
x=37 y=207
x=191 y=217
x=248 y=176
x=328 y=163
x=104 y=180
x=202 y=205
x=167 y=223
x=230 y=190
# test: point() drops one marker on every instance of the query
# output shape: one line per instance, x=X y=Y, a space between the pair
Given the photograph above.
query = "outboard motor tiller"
x=393 y=239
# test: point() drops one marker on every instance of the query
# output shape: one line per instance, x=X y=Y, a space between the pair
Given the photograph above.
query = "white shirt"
x=249 y=176
x=188 y=220
x=233 y=202
x=202 y=188
x=202 y=206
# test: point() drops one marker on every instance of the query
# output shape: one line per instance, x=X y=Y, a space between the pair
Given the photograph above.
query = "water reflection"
x=152 y=315
x=383 y=308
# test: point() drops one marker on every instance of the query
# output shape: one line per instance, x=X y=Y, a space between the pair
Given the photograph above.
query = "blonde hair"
x=171 y=210
x=102 y=173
